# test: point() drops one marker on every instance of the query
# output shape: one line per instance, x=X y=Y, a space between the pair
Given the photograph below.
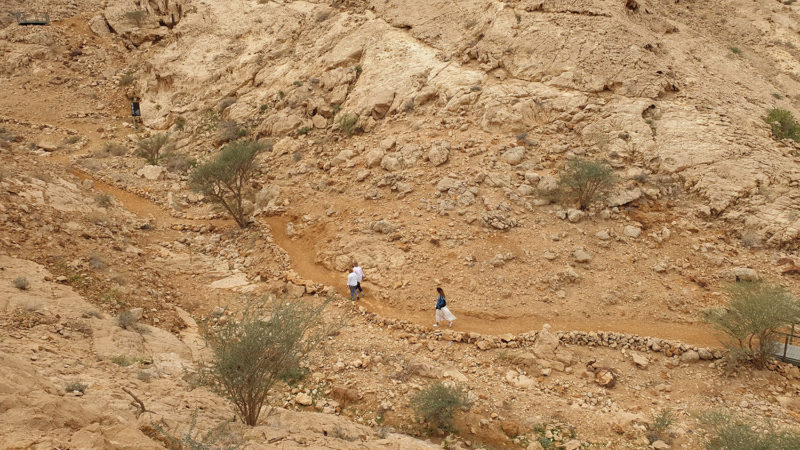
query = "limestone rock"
x=374 y=157
x=744 y=274
x=631 y=231
x=513 y=155
x=152 y=173
x=639 y=360
x=438 y=155
x=581 y=255
x=690 y=357
x=303 y=399
x=391 y=163
x=624 y=197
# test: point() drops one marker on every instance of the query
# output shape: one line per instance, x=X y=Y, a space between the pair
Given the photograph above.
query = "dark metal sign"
x=135 y=111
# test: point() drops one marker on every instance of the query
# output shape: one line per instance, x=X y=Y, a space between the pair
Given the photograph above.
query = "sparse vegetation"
x=777 y=95
x=755 y=312
x=152 y=147
x=126 y=319
x=225 y=103
x=302 y=131
x=783 y=124
x=72 y=140
x=736 y=51
x=728 y=432
x=585 y=181
x=126 y=79
x=347 y=122
x=281 y=94
x=180 y=123
x=297 y=83
x=267 y=343
x=229 y=130
x=178 y=162
x=263 y=108
x=221 y=437
x=22 y=283
x=76 y=386
x=225 y=178
x=112 y=149
x=136 y=16
x=102 y=200
x=662 y=422
x=125 y=360
x=437 y=404
x=96 y=262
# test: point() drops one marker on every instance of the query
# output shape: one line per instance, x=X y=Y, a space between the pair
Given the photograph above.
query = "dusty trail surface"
x=302 y=257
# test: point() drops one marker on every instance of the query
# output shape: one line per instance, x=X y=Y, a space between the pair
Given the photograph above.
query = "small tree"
x=755 y=312
x=783 y=124
x=224 y=179
x=152 y=147
x=586 y=181
x=436 y=404
x=266 y=344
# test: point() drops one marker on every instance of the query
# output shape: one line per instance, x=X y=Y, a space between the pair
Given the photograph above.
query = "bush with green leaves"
x=225 y=178
x=783 y=124
x=756 y=311
x=152 y=147
x=729 y=432
x=347 y=122
x=266 y=343
x=585 y=181
x=659 y=430
x=437 y=404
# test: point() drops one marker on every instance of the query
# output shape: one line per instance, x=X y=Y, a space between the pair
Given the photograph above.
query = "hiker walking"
x=352 y=283
x=442 y=313
x=360 y=273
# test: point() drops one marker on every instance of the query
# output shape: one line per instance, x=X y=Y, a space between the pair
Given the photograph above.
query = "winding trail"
x=302 y=255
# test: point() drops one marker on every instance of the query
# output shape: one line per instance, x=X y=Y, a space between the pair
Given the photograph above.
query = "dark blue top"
x=441 y=302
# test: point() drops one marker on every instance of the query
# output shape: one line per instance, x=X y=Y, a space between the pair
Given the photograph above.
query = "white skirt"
x=444 y=314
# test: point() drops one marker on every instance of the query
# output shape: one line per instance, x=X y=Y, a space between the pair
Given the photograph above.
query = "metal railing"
x=787 y=345
x=32 y=18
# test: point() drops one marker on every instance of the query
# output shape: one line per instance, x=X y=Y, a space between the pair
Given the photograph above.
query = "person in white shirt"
x=360 y=273
x=352 y=283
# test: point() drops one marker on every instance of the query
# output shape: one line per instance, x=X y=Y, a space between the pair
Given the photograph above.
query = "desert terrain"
x=466 y=113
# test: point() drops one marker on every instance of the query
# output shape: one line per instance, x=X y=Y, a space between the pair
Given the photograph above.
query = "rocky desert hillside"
x=417 y=139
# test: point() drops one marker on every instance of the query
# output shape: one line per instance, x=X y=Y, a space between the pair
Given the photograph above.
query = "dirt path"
x=302 y=254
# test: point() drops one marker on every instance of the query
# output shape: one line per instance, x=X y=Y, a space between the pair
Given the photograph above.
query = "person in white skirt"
x=442 y=313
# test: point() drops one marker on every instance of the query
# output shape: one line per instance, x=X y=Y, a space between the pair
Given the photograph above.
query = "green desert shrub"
x=225 y=179
x=585 y=181
x=783 y=124
x=347 y=122
x=151 y=148
x=437 y=404
x=266 y=343
x=756 y=311
x=725 y=431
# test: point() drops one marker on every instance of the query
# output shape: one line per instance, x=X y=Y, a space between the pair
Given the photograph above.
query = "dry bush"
x=347 y=122
x=179 y=163
x=22 y=283
x=229 y=130
x=126 y=320
x=136 y=16
x=126 y=79
x=102 y=200
x=151 y=148
x=96 y=262
x=76 y=386
x=726 y=431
